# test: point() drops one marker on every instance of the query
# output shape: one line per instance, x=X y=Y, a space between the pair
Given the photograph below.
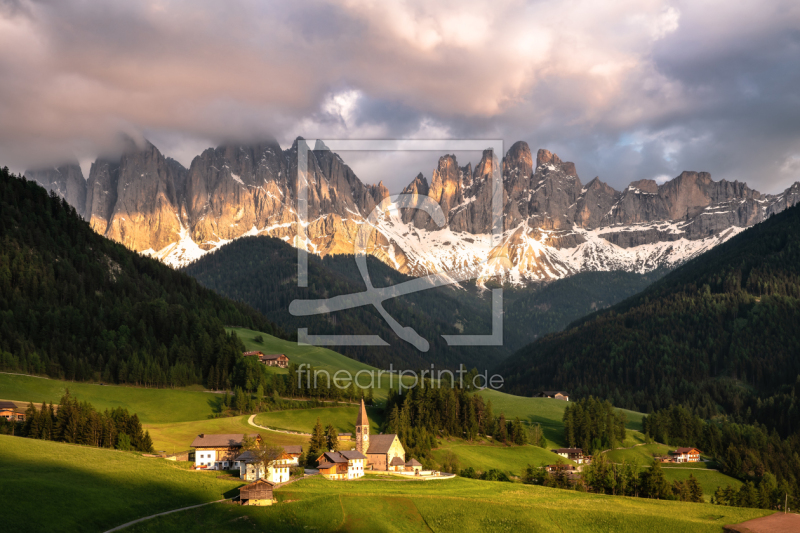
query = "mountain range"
x=554 y=226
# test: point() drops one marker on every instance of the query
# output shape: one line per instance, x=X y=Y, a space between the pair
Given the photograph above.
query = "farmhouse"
x=347 y=464
x=573 y=454
x=251 y=469
x=256 y=493
x=345 y=436
x=294 y=452
x=219 y=452
x=379 y=449
x=11 y=412
x=557 y=394
x=277 y=359
x=685 y=455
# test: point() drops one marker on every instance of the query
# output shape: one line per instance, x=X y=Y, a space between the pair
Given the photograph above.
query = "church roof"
x=396 y=461
x=362 y=419
x=381 y=443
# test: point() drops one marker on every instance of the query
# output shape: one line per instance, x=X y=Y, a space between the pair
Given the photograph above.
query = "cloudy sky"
x=625 y=89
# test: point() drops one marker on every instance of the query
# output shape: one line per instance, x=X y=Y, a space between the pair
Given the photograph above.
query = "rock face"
x=553 y=225
x=66 y=181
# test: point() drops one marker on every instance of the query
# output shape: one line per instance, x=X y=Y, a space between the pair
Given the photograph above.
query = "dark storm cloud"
x=625 y=89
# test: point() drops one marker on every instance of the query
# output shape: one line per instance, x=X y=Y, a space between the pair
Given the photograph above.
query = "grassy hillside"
x=459 y=505
x=549 y=413
x=320 y=358
x=342 y=418
x=178 y=436
x=152 y=405
x=485 y=456
x=60 y=487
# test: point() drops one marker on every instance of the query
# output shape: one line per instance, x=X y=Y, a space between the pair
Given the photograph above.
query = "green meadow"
x=153 y=406
x=458 y=505
x=178 y=436
x=303 y=420
x=321 y=359
x=61 y=487
x=485 y=456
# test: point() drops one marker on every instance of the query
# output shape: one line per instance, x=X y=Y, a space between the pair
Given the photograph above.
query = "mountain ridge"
x=554 y=225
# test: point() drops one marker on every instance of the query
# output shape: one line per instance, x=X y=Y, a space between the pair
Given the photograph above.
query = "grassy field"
x=342 y=418
x=641 y=455
x=152 y=405
x=485 y=456
x=549 y=413
x=459 y=505
x=178 y=436
x=320 y=358
x=710 y=480
x=61 y=487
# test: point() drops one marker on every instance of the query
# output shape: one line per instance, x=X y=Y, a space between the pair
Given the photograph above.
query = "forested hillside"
x=76 y=305
x=261 y=271
x=719 y=334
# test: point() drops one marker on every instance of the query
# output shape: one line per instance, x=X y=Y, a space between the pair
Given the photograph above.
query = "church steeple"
x=362 y=429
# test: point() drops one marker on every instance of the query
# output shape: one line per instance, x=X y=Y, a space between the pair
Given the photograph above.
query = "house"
x=347 y=464
x=379 y=449
x=556 y=394
x=11 y=412
x=573 y=454
x=257 y=493
x=568 y=469
x=294 y=453
x=219 y=452
x=686 y=455
x=278 y=471
x=413 y=466
x=276 y=359
x=345 y=436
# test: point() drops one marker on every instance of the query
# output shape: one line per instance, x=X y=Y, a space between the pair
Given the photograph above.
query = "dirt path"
x=251 y=421
x=132 y=522
x=774 y=523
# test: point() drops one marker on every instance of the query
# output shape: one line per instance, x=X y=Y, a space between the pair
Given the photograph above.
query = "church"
x=384 y=452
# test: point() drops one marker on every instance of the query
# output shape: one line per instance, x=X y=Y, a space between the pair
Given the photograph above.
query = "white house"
x=278 y=471
x=218 y=452
x=686 y=455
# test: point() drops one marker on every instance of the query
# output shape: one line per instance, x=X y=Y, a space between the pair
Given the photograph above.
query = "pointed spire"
x=362 y=419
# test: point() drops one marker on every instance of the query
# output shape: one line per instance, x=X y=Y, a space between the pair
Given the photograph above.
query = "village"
x=381 y=454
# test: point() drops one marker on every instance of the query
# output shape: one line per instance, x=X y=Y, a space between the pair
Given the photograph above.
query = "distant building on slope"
x=276 y=359
x=379 y=449
x=556 y=394
x=573 y=454
x=11 y=412
x=686 y=455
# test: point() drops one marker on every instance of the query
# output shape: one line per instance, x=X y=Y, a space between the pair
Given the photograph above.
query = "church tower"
x=362 y=430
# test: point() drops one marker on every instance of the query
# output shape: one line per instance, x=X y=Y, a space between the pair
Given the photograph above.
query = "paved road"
x=251 y=421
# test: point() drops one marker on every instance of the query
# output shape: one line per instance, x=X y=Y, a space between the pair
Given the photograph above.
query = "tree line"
x=80 y=423
x=768 y=464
